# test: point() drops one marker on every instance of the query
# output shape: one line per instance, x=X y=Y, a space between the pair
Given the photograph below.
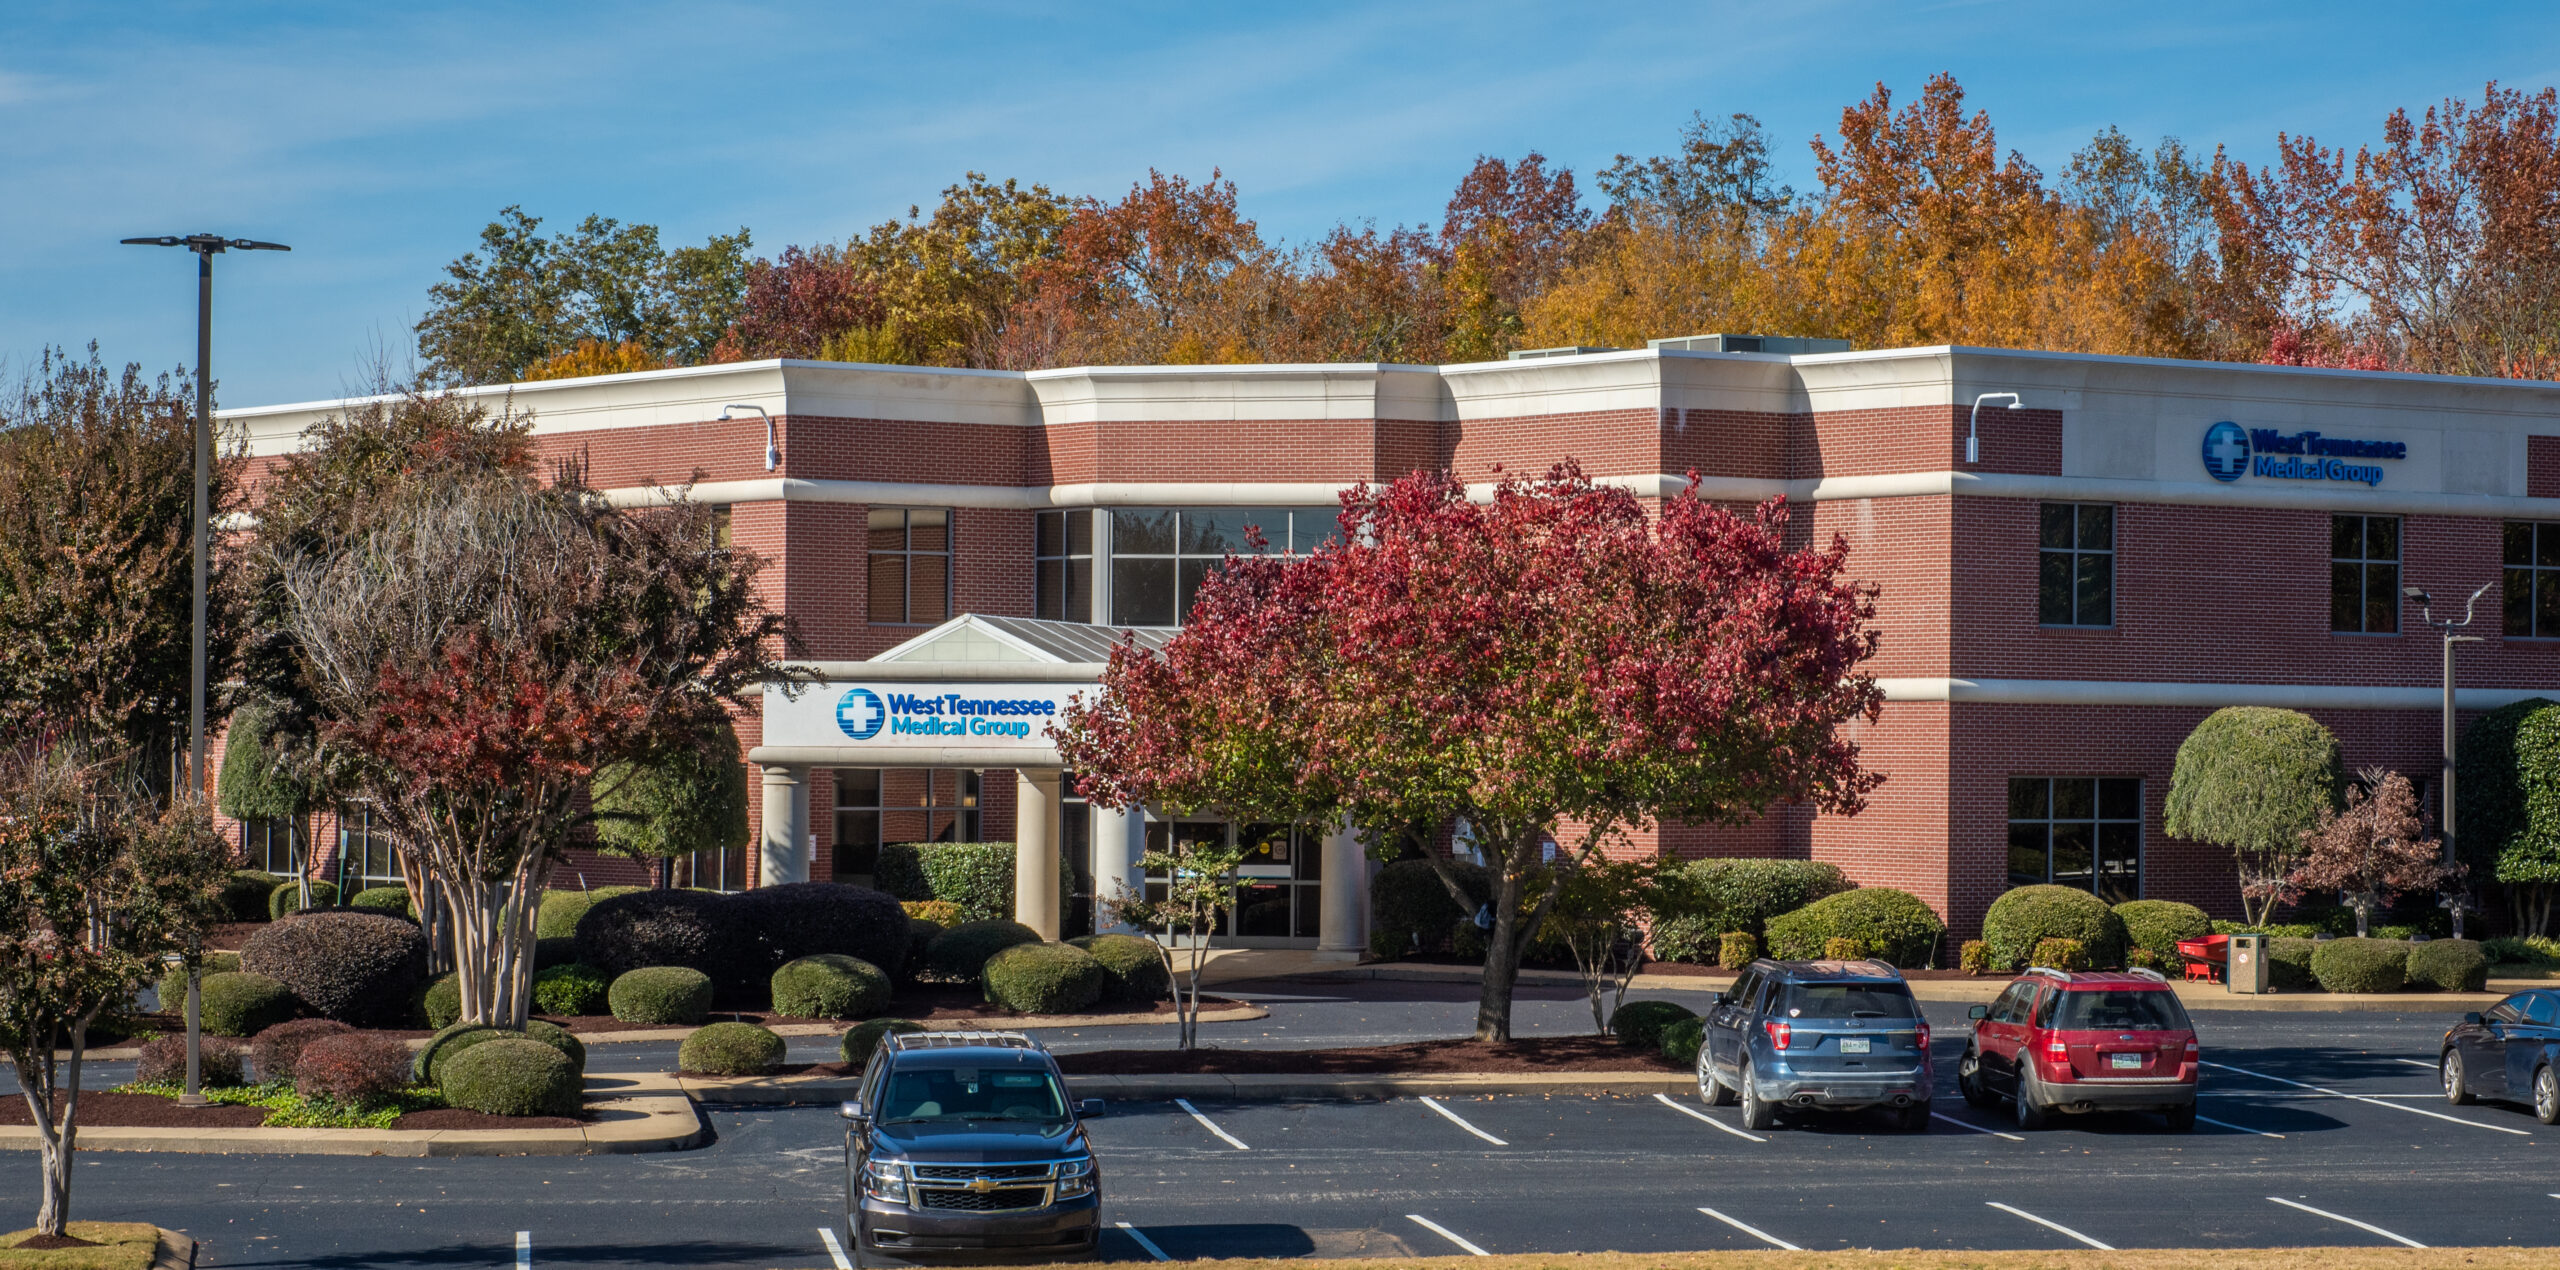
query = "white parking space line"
x=2322 y=1212
x=1966 y=1124
x=2050 y=1225
x=1206 y=1123
x=1445 y=1233
x=1751 y=1230
x=2411 y=1061
x=835 y=1249
x=524 y=1249
x=1455 y=1119
x=2225 y=1124
x=1666 y=1101
x=1143 y=1241
x=2415 y=1111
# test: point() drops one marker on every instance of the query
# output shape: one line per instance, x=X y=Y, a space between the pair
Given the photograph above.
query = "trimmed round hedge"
x=390 y=901
x=1744 y=894
x=2156 y=926
x=427 y=1065
x=862 y=1038
x=362 y=1068
x=730 y=1049
x=576 y=988
x=2289 y=964
x=287 y=898
x=1896 y=926
x=361 y=968
x=1133 y=968
x=164 y=1062
x=1039 y=978
x=2448 y=965
x=559 y=1038
x=624 y=933
x=1639 y=1023
x=1680 y=1041
x=276 y=1049
x=511 y=1075
x=958 y=954
x=173 y=985
x=557 y=916
x=829 y=986
x=679 y=995
x=2022 y=917
x=807 y=919
x=244 y=894
x=239 y=1003
x=2361 y=965
x=443 y=1001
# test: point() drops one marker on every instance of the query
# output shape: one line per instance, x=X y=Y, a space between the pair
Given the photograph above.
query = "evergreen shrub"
x=1895 y=926
x=730 y=1049
x=958 y=954
x=1042 y=978
x=574 y=989
x=2022 y=917
x=512 y=1075
x=675 y=995
x=1639 y=1024
x=239 y=1003
x=2361 y=965
x=1133 y=968
x=829 y=986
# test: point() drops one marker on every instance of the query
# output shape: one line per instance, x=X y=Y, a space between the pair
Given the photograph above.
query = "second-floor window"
x=2364 y=574
x=2532 y=580
x=1062 y=566
x=2076 y=564
x=910 y=565
x=1159 y=557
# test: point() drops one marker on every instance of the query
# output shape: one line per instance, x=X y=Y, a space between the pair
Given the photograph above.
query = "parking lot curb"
x=1982 y=990
x=1255 y=1087
x=175 y=1251
x=633 y=1114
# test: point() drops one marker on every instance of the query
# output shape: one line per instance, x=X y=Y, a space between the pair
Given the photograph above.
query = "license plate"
x=1853 y=1045
x=2125 y=1062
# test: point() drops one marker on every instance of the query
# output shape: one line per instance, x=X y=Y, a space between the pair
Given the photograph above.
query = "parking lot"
x=2324 y=1129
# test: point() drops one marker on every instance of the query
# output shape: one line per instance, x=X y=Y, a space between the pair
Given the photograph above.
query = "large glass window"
x=926 y=804
x=2364 y=574
x=365 y=857
x=910 y=565
x=2076 y=564
x=276 y=846
x=717 y=869
x=2532 y=582
x=857 y=822
x=2077 y=831
x=1159 y=556
x=1282 y=871
x=1062 y=566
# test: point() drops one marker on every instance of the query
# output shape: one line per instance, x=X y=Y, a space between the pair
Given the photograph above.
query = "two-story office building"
x=2062 y=594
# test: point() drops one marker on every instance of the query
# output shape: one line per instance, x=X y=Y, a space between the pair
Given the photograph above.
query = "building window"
x=1062 y=568
x=1160 y=556
x=276 y=846
x=365 y=857
x=717 y=869
x=926 y=804
x=2077 y=831
x=2076 y=564
x=2364 y=574
x=2532 y=580
x=857 y=822
x=910 y=565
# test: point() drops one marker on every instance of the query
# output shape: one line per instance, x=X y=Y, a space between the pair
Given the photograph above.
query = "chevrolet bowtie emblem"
x=982 y=1185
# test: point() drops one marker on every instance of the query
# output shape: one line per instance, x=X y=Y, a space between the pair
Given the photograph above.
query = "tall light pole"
x=2444 y=782
x=206 y=247
x=1973 y=429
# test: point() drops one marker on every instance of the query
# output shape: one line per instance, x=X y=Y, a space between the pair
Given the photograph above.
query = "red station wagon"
x=2056 y=1042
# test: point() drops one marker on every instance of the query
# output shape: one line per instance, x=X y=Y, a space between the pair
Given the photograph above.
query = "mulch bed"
x=100 y=1109
x=922 y=1005
x=1468 y=1056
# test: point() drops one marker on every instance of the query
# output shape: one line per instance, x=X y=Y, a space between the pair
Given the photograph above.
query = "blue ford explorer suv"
x=964 y=1142
x=1832 y=1035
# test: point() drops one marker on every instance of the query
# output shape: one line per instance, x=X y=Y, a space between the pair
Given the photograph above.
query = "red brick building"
x=2059 y=603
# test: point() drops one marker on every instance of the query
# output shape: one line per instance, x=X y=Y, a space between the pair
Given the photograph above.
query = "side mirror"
x=2473 y=1017
x=1089 y=1109
x=1978 y=1012
x=851 y=1112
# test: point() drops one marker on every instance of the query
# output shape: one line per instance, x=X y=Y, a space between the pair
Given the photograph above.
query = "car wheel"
x=2031 y=1113
x=1757 y=1112
x=1912 y=1119
x=2457 y=1089
x=1711 y=1091
x=1969 y=1081
x=2182 y=1119
x=2546 y=1095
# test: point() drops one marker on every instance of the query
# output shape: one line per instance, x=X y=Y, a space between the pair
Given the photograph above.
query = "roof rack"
x=2063 y=975
x=960 y=1040
x=2144 y=972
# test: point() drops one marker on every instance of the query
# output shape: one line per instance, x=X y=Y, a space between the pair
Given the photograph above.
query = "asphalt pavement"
x=2329 y=1132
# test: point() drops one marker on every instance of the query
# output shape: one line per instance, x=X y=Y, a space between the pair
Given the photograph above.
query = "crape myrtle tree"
x=99 y=880
x=2255 y=779
x=2372 y=849
x=1552 y=665
x=474 y=644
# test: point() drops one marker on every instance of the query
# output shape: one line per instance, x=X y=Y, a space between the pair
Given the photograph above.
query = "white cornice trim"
x=2109 y=692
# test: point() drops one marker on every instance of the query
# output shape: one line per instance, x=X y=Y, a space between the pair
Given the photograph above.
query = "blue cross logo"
x=860 y=713
x=2226 y=451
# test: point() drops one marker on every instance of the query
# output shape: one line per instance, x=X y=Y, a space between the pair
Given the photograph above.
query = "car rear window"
x=2121 y=1010
x=1850 y=1001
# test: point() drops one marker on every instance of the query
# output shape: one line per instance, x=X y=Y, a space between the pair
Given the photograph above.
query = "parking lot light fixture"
x=2454 y=893
x=1973 y=429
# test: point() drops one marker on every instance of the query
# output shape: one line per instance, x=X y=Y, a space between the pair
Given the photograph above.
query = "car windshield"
x=952 y=1094
x=1850 y=1001
x=2105 y=1010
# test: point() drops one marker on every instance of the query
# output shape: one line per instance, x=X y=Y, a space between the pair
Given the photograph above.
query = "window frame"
x=906 y=554
x=2097 y=822
x=355 y=820
x=2538 y=577
x=1073 y=604
x=2075 y=556
x=1196 y=564
x=2364 y=564
x=258 y=843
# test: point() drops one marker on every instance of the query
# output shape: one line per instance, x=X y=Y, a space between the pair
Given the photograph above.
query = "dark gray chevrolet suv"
x=964 y=1142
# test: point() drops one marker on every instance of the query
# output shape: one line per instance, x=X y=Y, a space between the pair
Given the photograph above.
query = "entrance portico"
x=980 y=693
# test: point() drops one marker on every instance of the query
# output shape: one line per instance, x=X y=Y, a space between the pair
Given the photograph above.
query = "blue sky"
x=378 y=139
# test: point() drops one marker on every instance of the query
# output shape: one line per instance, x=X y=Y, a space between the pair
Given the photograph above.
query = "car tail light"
x=2056 y=1050
x=1780 y=1034
x=2191 y=1047
x=1923 y=1037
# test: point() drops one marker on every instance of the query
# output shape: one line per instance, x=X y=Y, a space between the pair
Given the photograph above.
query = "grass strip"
x=122 y=1245
x=289 y=1110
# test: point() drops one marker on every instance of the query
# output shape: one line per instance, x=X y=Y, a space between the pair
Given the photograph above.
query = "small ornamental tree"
x=684 y=799
x=2508 y=794
x=1552 y=665
x=2372 y=849
x=1201 y=881
x=2255 y=779
x=1596 y=919
x=97 y=885
x=255 y=786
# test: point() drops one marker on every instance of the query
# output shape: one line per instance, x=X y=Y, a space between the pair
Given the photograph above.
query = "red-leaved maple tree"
x=2373 y=849
x=1551 y=665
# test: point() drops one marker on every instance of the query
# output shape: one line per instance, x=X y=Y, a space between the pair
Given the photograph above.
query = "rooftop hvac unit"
x=1570 y=350
x=1785 y=345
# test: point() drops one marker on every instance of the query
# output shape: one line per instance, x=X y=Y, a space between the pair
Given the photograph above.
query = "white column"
x=1035 y=850
x=1342 y=923
x=784 y=846
x=1119 y=838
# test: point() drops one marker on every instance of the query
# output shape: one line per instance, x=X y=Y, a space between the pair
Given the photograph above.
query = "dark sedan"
x=2510 y=1051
